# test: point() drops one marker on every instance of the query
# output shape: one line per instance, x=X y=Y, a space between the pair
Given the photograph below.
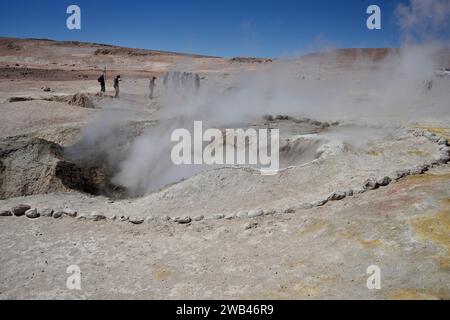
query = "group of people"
x=171 y=80
x=181 y=80
x=102 y=81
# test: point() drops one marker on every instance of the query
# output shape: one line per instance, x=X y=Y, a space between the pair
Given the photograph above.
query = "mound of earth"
x=78 y=99
x=38 y=166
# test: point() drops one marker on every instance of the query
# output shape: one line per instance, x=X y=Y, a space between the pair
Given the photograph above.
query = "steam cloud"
x=364 y=91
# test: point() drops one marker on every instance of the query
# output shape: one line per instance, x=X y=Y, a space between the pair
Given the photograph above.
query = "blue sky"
x=222 y=28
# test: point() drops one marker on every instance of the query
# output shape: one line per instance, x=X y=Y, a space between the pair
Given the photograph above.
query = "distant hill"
x=374 y=55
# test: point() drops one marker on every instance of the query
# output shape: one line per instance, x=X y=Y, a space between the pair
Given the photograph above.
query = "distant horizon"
x=193 y=53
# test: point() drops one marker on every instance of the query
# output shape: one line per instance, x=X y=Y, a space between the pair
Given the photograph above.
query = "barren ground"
x=257 y=237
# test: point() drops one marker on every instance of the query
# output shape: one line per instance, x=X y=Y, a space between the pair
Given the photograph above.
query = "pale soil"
x=311 y=254
x=315 y=253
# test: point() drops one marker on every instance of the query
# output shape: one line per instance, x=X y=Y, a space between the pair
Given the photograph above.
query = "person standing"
x=101 y=80
x=197 y=82
x=152 y=86
x=116 y=86
x=166 y=81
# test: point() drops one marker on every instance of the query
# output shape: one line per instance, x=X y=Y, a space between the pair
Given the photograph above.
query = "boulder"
x=384 y=181
x=338 y=195
x=20 y=209
x=136 y=220
x=45 y=212
x=370 y=184
x=32 y=213
x=5 y=213
x=183 y=220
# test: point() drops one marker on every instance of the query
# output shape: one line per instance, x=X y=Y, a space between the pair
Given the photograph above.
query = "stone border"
x=442 y=157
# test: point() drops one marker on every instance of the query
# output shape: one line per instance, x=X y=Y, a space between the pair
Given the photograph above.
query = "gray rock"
x=149 y=219
x=370 y=184
x=112 y=217
x=335 y=196
x=442 y=141
x=217 y=216
x=5 y=213
x=384 y=181
x=95 y=216
x=230 y=216
x=46 y=212
x=288 y=209
x=255 y=213
x=418 y=170
x=58 y=214
x=165 y=218
x=400 y=174
x=123 y=218
x=136 y=220
x=319 y=203
x=269 y=212
x=444 y=157
x=358 y=190
x=349 y=193
x=32 y=213
x=69 y=212
x=183 y=220
x=20 y=209
x=242 y=214
x=199 y=218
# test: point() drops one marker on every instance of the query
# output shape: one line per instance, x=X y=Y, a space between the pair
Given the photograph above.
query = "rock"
x=183 y=220
x=319 y=203
x=349 y=193
x=288 y=209
x=242 y=214
x=123 y=218
x=46 y=89
x=199 y=218
x=400 y=174
x=384 y=181
x=95 y=216
x=269 y=212
x=217 y=216
x=165 y=218
x=20 y=209
x=444 y=157
x=442 y=141
x=32 y=213
x=136 y=220
x=418 y=170
x=58 y=214
x=250 y=225
x=5 y=213
x=149 y=219
x=230 y=216
x=370 y=184
x=335 y=196
x=112 y=217
x=46 y=212
x=255 y=213
x=358 y=190
x=69 y=212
